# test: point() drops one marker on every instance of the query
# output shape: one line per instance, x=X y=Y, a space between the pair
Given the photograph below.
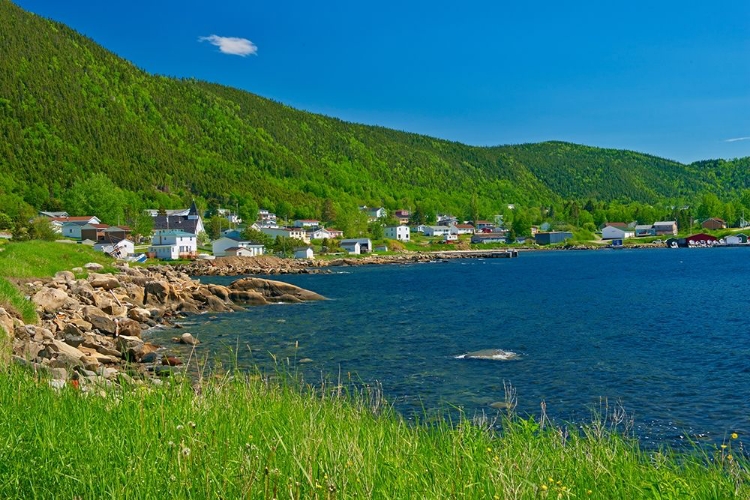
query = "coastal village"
x=182 y=235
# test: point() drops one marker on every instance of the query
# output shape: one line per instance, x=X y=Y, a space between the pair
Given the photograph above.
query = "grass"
x=12 y=298
x=246 y=437
x=39 y=259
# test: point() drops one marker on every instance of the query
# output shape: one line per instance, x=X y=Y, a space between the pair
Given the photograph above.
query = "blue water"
x=662 y=332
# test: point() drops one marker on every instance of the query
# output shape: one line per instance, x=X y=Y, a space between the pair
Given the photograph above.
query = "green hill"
x=70 y=109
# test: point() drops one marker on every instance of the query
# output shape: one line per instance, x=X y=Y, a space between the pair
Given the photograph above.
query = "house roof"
x=169 y=222
x=716 y=219
x=618 y=225
x=665 y=223
x=176 y=232
x=644 y=226
x=352 y=241
x=84 y=218
x=464 y=226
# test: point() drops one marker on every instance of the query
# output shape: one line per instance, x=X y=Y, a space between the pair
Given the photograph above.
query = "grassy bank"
x=245 y=438
x=39 y=259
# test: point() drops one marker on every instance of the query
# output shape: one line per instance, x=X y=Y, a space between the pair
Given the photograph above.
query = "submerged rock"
x=492 y=354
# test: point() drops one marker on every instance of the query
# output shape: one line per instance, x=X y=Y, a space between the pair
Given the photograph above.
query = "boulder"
x=105 y=281
x=50 y=299
x=129 y=327
x=156 y=291
x=93 y=266
x=221 y=292
x=271 y=289
x=247 y=297
x=62 y=348
x=187 y=338
x=64 y=276
x=216 y=304
x=7 y=322
x=139 y=314
x=103 y=323
x=114 y=309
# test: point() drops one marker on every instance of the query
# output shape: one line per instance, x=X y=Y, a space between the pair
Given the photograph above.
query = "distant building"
x=480 y=238
x=550 y=238
x=462 y=229
x=714 y=223
x=286 y=232
x=307 y=223
x=190 y=222
x=616 y=233
x=643 y=230
x=304 y=253
x=222 y=247
x=356 y=246
x=665 y=227
x=400 y=233
x=171 y=244
x=436 y=230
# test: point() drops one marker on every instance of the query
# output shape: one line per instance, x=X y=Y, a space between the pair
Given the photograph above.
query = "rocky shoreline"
x=90 y=329
x=269 y=265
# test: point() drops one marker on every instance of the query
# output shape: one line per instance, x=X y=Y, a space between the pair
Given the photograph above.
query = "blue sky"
x=666 y=78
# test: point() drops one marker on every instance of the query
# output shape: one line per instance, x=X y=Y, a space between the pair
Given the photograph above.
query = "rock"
x=63 y=348
x=492 y=354
x=158 y=291
x=59 y=373
x=187 y=338
x=93 y=266
x=219 y=291
x=305 y=360
x=102 y=322
x=113 y=309
x=107 y=373
x=129 y=328
x=90 y=362
x=7 y=323
x=150 y=357
x=248 y=297
x=57 y=384
x=50 y=299
x=105 y=281
x=501 y=405
x=271 y=289
x=188 y=307
x=163 y=371
x=215 y=304
x=64 y=276
x=171 y=361
x=73 y=340
x=139 y=314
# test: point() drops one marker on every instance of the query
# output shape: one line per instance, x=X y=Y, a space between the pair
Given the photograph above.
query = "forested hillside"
x=76 y=120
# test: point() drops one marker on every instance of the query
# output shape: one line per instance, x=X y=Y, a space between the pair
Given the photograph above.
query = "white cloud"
x=231 y=45
x=737 y=139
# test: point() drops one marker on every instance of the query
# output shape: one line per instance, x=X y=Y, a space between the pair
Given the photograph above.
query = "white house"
x=357 y=245
x=307 y=223
x=70 y=227
x=436 y=230
x=374 y=214
x=222 y=246
x=462 y=229
x=615 y=233
x=400 y=233
x=304 y=253
x=450 y=237
x=170 y=244
x=286 y=232
x=319 y=234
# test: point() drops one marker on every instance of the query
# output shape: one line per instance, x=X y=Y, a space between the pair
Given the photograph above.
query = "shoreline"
x=272 y=265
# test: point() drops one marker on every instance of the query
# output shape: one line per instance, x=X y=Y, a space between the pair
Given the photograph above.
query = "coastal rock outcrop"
x=91 y=328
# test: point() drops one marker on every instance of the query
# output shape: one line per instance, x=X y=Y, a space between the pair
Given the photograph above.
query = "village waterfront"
x=661 y=332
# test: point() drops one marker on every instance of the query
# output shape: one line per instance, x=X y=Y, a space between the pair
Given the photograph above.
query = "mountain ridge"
x=70 y=110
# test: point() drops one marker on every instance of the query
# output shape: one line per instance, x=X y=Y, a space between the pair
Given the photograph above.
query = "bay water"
x=662 y=332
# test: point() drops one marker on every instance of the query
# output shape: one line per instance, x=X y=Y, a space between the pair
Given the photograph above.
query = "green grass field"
x=246 y=437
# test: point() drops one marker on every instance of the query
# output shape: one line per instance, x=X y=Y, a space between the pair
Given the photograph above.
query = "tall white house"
x=400 y=233
x=172 y=244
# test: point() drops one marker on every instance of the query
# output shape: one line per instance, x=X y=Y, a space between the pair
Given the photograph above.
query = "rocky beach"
x=90 y=328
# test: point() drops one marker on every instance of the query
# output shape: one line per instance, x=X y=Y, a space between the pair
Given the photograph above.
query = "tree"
x=520 y=226
x=40 y=229
x=97 y=195
x=329 y=211
x=214 y=226
x=5 y=221
x=376 y=230
x=257 y=237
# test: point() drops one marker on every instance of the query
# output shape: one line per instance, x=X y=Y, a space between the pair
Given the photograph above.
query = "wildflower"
x=489 y=449
x=192 y=424
x=544 y=487
x=179 y=427
x=723 y=446
x=734 y=435
x=170 y=444
x=186 y=452
x=589 y=492
x=730 y=457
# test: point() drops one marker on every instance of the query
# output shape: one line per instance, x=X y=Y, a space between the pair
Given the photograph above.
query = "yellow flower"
x=734 y=435
x=489 y=449
x=730 y=457
x=723 y=446
x=589 y=492
x=544 y=487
